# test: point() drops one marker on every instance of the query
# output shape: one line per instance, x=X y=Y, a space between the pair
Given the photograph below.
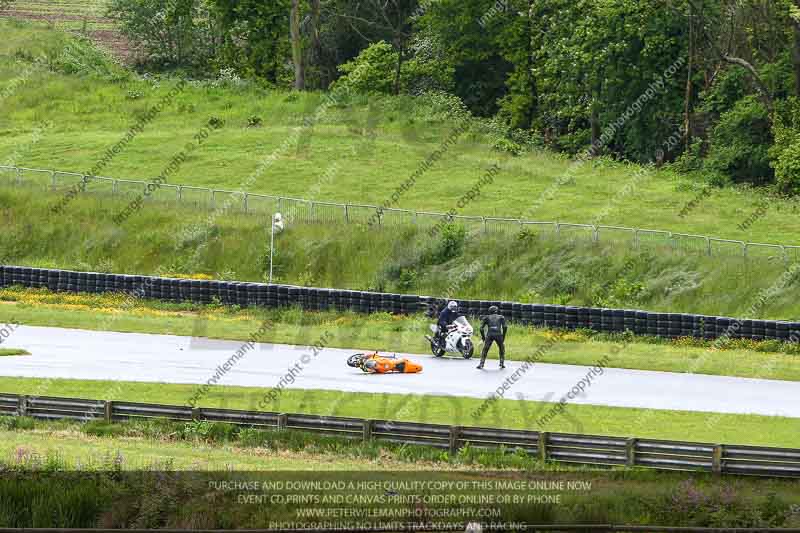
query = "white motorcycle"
x=457 y=339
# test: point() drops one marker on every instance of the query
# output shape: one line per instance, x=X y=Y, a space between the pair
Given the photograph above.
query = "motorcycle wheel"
x=436 y=350
x=355 y=360
x=469 y=349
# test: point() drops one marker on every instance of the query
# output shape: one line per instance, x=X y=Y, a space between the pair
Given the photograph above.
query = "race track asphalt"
x=78 y=354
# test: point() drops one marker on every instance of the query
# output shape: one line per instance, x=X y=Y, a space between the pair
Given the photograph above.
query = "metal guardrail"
x=299 y=210
x=561 y=447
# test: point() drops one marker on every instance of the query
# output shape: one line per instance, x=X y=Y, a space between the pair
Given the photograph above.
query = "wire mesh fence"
x=304 y=211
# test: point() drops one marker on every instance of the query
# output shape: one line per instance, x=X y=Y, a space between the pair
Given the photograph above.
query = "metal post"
x=53 y=179
x=708 y=245
x=195 y=413
x=180 y=193
x=346 y=214
x=19 y=176
x=108 y=411
x=245 y=202
x=271 y=243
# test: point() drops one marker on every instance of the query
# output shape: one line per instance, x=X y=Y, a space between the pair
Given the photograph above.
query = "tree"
x=298 y=58
x=254 y=37
x=167 y=33
x=389 y=20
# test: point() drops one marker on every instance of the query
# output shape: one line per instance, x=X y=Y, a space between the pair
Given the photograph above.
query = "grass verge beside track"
x=385 y=332
x=13 y=351
x=40 y=455
x=509 y=414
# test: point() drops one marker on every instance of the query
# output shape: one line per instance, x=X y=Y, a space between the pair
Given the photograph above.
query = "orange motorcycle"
x=373 y=363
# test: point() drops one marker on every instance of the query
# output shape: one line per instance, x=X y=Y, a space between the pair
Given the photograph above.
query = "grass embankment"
x=89 y=114
x=403 y=260
x=89 y=104
x=393 y=333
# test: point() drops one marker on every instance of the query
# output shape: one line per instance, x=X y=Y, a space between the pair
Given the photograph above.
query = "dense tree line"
x=712 y=86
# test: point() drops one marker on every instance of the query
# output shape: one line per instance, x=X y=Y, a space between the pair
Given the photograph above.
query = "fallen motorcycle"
x=374 y=363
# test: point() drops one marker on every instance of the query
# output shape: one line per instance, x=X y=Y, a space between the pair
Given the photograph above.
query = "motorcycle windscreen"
x=462 y=322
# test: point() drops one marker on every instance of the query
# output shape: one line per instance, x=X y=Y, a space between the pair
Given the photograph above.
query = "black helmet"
x=493 y=309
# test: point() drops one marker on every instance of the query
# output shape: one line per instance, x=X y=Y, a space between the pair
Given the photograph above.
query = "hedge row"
x=271 y=295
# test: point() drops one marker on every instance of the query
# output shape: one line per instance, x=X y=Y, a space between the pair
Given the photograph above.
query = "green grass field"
x=88 y=115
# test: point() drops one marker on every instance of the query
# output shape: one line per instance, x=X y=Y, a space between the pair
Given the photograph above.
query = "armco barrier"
x=560 y=447
x=247 y=294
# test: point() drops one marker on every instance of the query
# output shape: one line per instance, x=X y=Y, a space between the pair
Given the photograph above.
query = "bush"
x=739 y=143
x=374 y=71
x=449 y=245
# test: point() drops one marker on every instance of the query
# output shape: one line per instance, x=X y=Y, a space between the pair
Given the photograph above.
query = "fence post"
x=213 y=198
x=53 y=180
x=630 y=452
x=108 y=411
x=19 y=177
x=558 y=230
x=195 y=413
x=283 y=421
x=744 y=250
x=346 y=213
x=596 y=234
x=785 y=255
x=367 y=430
x=311 y=211
x=22 y=406
x=716 y=460
x=484 y=225
x=544 y=436
x=244 y=201
x=455 y=432
x=180 y=193
x=636 y=239
x=708 y=246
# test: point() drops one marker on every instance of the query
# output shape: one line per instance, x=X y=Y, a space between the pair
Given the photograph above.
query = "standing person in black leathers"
x=493 y=329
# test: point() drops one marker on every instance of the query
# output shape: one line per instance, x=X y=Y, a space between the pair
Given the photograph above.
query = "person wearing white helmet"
x=447 y=317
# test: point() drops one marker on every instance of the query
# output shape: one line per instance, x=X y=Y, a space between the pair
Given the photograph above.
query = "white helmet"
x=452 y=305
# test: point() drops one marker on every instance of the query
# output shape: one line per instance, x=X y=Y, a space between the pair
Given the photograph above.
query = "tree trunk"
x=398 y=69
x=532 y=107
x=297 y=47
x=687 y=100
x=796 y=54
x=316 y=43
